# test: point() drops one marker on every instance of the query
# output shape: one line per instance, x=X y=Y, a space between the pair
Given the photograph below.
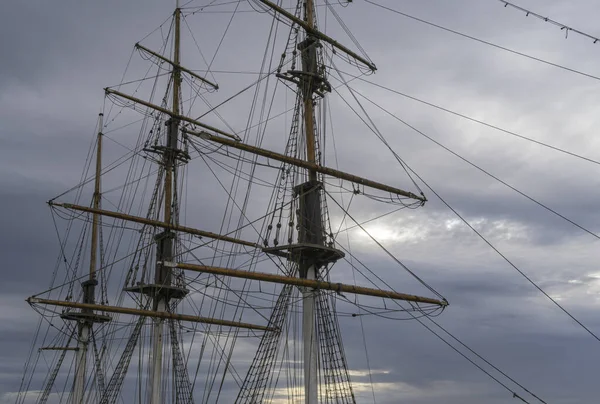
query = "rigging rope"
x=482 y=170
x=362 y=326
x=373 y=127
x=562 y=26
x=489 y=243
x=571 y=70
x=428 y=316
x=392 y=256
x=495 y=127
x=539 y=288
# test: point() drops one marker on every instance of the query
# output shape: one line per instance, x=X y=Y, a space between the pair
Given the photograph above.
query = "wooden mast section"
x=282 y=279
x=147 y=313
x=96 y=201
x=308 y=165
x=311 y=166
x=170 y=113
x=308 y=26
x=177 y=66
x=307 y=84
x=163 y=291
x=156 y=223
x=309 y=216
x=310 y=283
x=85 y=318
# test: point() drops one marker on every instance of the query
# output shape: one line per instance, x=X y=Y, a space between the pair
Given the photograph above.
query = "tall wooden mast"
x=86 y=318
x=312 y=251
x=163 y=292
x=311 y=230
x=309 y=67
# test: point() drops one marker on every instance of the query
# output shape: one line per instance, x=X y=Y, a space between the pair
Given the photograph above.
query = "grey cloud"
x=61 y=57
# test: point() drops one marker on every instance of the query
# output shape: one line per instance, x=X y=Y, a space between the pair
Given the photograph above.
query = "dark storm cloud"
x=57 y=57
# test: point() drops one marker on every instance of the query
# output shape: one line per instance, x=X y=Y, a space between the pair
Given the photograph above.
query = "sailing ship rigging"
x=171 y=279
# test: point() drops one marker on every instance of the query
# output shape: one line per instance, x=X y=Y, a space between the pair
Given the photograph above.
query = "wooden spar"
x=309 y=123
x=337 y=287
x=171 y=113
x=318 y=34
x=150 y=222
x=305 y=164
x=147 y=313
x=96 y=200
x=183 y=69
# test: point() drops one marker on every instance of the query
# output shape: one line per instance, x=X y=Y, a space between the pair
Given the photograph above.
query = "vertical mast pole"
x=165 y=239
x=309 y=335
x=175 y=108
x=96 y=201
x=89 y=286
x=80 y=363
x=309 y=124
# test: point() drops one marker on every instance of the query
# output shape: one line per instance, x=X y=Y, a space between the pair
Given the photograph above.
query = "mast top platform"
x=86 y=317
x=156 y=290
x=320 y=254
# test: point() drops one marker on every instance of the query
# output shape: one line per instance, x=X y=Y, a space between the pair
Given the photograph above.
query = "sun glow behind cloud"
x=403 y=231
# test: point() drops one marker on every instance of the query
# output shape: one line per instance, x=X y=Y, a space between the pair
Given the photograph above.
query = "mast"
x=309 y=249
x=86 y=318
x=309 y=67
x=96 y=199
x=165 y=239
x=310 y=209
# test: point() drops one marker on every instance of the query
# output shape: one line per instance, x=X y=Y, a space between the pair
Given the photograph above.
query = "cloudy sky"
x=57 y=57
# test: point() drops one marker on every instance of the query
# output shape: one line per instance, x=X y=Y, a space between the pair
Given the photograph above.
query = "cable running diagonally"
x=558 y=149
x=371 y=125
x=505 y=258
x=562 y=26
x=549 y=209
x=418 y=318
x=498 y=251
x=569 y=69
